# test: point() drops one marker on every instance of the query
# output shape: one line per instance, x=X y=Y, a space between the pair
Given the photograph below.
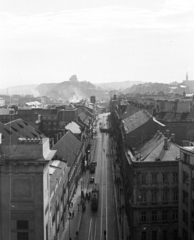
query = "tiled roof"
x=8 y=136
x=84 y=118
x=154 y=149
x=24 y=129
x=87 y=112
x=136 y=120
x=68 y=147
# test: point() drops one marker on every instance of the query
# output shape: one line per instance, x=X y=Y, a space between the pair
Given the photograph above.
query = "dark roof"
x=24 y=129
x=68 y=147
x=87 y=112
x=84 y=118
x=9 y=136
x=136 y=120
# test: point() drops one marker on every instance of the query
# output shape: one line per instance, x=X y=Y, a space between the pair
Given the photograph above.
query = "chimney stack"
x=173 y=137
x=165 y=143
x=56 y=138
x=168 y=134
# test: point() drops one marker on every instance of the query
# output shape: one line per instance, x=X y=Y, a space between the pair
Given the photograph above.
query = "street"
x=94 y=225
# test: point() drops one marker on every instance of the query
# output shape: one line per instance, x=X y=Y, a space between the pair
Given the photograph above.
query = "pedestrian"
x=73 y=214
x=69 y=214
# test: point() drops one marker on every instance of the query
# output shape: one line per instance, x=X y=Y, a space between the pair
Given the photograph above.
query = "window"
x=186 y=158
x=175 y=234
x=193 y=184
x=185 y=197
x=143 y=197
x=175 y=214
x=165 y=196
x=22 y=236
x=143 y=216
x=185 y=234
x=154 y=196
x=185 y=178
x=185 y=217
x=164 y=215
x=154 y=216
x=154 y=178
x=22 y=225
x=22 y=228
x=143 y=178
x=175 y=195
x=175 y=177
x=143 y=236
x=192 y=226
x=154 y=235
x=165 y=235
x=165 y=177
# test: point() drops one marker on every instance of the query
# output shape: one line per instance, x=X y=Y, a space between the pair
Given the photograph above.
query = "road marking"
x=95 y=230
x=90 y=229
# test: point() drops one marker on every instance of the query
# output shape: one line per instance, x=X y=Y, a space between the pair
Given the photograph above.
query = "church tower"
x=187 y=78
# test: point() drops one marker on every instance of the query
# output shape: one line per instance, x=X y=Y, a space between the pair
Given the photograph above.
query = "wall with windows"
x=155 y=210
x=186 y=193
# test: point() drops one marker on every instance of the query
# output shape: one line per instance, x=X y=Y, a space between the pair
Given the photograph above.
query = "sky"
x=48 y=41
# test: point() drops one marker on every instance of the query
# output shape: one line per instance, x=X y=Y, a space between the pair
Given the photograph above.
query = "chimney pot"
x=166 y=143
x=173 y=137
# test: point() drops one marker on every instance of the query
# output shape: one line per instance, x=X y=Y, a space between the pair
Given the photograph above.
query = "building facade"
x=186 y=193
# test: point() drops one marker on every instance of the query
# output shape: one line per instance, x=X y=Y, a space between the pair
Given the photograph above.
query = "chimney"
x=168 y=134
x=61 y=134
x=56 y=138
x=39 y=117
x=173 y=137
x=52 y=142
x=186 y=143
x=165 y=143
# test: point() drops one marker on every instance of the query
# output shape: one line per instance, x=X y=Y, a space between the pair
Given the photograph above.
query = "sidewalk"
x=73 y=224
x=124 y=232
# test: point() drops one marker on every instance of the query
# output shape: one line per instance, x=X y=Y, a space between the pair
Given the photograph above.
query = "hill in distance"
x=117 y=85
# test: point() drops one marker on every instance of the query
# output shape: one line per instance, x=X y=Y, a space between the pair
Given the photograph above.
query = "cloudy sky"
x=98 y=40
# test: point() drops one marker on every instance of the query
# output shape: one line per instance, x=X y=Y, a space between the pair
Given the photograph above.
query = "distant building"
x=2 y=102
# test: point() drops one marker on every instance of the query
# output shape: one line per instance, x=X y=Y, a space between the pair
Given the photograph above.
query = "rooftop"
x=136 y=120
x=154 y=150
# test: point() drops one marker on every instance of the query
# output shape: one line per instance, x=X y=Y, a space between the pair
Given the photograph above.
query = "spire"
x=187 y=76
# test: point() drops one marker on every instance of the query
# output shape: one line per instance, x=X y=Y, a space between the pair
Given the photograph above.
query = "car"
x=91 y=179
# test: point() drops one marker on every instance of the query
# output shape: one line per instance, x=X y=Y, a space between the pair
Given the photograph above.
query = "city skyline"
x=104 y=41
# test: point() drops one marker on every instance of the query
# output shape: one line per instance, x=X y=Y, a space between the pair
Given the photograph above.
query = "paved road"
x=93 y=224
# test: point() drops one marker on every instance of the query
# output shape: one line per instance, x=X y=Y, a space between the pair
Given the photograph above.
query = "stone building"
x=186 y=193
x=149 y=168
x=24 y=186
